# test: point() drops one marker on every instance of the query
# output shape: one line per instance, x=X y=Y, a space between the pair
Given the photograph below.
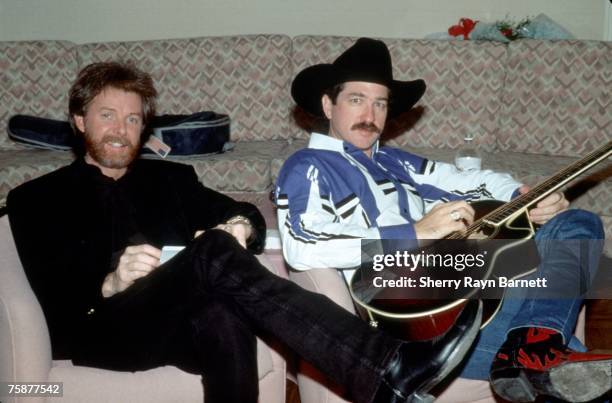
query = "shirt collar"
x=320 y=141
x=94 y=173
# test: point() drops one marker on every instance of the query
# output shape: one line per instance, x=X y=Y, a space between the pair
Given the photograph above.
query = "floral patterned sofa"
x=534 y=106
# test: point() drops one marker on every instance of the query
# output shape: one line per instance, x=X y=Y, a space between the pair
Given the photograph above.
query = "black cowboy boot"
x=419 y=366
x=534 y=361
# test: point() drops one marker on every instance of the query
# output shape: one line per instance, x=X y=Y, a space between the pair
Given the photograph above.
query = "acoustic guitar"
x=506 y=231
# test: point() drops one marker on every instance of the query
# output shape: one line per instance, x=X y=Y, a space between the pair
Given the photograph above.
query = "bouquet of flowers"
x=540 y=27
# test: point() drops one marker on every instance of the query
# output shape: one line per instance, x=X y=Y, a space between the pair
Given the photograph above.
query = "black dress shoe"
x=419 y=366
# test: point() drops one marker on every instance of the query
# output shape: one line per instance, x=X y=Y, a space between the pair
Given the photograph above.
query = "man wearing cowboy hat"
x=345 y=187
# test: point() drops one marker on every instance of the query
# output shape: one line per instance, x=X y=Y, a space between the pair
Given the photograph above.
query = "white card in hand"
x=168 y=253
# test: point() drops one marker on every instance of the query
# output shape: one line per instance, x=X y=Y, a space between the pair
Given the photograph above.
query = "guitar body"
x=415 y=314
x=399 y=313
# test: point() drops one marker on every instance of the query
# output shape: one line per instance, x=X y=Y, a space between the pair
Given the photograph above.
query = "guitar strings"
x=503 y=212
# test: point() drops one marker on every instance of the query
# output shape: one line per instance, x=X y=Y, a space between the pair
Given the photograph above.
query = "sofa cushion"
x=464 y=83
x=556 y=99
x=34 y=80
x=21 y=166
x=279 y=159
x=244 y=169
x=245 y=77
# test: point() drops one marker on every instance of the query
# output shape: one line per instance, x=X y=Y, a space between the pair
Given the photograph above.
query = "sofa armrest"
x=272 y=385
x=313 y=385
x=25 y=346
x=328 y=282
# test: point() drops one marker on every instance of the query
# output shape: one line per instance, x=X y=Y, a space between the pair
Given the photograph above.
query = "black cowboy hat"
x=367 y=60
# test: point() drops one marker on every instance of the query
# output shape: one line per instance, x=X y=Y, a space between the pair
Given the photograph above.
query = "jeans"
x=201 y=310
x=569 y=245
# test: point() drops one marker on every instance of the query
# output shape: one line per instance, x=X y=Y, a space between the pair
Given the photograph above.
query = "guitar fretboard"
x=524 y=201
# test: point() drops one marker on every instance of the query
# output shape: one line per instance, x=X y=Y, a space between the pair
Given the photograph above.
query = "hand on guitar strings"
x=444 y=219
x=547 y=208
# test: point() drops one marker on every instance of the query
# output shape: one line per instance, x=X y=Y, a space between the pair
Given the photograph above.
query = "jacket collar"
x=320 y=141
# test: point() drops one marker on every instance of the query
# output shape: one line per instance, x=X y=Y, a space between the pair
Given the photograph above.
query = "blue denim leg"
x=572 y=264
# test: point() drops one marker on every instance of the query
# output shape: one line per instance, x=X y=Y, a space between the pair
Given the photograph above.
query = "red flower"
x=464 y=28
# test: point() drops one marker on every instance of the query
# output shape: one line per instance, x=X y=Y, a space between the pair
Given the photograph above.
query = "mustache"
x=368 y=126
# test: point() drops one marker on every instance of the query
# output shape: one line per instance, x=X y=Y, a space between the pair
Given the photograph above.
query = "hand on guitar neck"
x=546 y=209
x=456 y=216
x=445 y=219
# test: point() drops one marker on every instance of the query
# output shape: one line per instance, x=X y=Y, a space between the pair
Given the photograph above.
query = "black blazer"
x=65 y=227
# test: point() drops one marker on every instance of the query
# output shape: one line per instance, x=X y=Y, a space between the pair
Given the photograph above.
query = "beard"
x=116 y=159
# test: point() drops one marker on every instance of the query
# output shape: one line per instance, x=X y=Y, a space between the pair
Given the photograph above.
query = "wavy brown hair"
x=94 y=78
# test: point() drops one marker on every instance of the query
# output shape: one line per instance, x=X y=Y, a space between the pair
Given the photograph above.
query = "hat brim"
x=308 y=87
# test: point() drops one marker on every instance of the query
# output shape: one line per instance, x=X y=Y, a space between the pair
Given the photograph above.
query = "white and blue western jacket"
x=331 y=195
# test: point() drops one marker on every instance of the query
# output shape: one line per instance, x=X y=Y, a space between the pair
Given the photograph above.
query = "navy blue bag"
x=187 y=135
x=41 y=133
x=196 y=134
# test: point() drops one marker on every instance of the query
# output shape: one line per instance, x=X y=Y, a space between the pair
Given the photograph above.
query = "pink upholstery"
x=25 y=353
x=556 y=98
x=314 y=387
x=244 y=76
x=34 y=80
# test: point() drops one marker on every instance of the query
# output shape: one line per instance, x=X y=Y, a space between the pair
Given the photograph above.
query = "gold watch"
x=239 y=219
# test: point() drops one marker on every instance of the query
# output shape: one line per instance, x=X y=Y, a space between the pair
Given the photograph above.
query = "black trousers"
x=201 y=310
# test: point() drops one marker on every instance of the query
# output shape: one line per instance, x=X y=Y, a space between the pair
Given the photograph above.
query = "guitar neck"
x=524 y=201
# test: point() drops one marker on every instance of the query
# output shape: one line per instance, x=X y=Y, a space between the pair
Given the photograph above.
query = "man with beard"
x=346 y=187
x=89 y=237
